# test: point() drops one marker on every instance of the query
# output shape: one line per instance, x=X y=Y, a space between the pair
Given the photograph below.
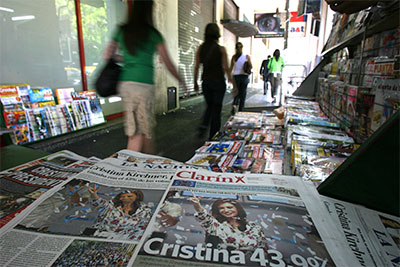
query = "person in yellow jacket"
x=275 y=66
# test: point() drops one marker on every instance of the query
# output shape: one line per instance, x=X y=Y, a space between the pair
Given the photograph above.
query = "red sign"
x=295 y=18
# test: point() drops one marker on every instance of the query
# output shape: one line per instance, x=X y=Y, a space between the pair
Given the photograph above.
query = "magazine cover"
x=20 y=134
x=214 y=162
x=223 y=147
x=365 y=103
x=244 y=120
x=387 y=101
x=234 y=219
x=64 y=95
x=37 y=95
x=230 y=135
x=255 y=151
x=95 y=114
x=9 y=95
x=14 y=117
x=23 y=92
x=351 y=101
x=242 y=165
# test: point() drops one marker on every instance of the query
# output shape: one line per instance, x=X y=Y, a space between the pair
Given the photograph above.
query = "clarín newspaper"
x=94 y=217
x=144 y=210
x=223 y=219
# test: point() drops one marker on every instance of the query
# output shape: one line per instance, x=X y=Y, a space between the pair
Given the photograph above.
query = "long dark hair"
x=277 y=54
x=135 y=205
x=211 y=36
x=239 y=50
x=140 y=22
x=211 y=33
x=241 y=217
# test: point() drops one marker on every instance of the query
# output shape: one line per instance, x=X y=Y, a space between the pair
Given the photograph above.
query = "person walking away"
x=264 y=72
x=240 y=77
x=138 y=41
x=275 y=66
x=214 y=60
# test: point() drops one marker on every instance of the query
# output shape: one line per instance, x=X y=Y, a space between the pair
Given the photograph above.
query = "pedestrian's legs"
x=278 y=87
x=135 y=142
x=244 y=80
x=207 y=92
x=273 y=81
x=219 y=88
x=241 y=81
x=148 y=146
x=265 y=86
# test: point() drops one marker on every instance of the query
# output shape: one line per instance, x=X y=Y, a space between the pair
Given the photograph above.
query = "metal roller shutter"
x=193 y=16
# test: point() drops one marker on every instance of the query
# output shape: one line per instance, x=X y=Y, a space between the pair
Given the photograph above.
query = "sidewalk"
x=175 y=133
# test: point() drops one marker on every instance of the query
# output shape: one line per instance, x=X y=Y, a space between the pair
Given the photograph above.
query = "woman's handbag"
x=106 y=83
x=247 y=68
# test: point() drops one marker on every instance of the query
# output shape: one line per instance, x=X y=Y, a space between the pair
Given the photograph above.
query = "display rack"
x=363 y=70
x=32 y=115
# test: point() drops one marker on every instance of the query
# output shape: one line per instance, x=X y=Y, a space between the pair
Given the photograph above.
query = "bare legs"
x=140 y=143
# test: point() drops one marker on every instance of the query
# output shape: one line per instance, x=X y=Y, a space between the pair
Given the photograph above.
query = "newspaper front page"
x=96 y=217
x=372 y=237
x=22 y=185
x=221 y=219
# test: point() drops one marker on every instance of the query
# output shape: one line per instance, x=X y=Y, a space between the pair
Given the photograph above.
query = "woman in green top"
x=138 y=41
x=275 y=66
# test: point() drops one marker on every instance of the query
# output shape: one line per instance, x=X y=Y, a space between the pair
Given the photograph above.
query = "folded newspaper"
x=237 y=219
x=125 y=210
x=22 y=185
x=91 y=217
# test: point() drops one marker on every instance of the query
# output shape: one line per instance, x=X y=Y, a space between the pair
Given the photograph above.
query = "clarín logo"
x=210 y=178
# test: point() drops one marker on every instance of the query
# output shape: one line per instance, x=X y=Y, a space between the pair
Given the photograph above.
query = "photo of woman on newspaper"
x=227 y=226
x=250 y=229
x=81 y=208
x=123 y=217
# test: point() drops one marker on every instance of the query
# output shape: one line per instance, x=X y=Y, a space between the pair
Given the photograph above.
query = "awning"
x=240 y=28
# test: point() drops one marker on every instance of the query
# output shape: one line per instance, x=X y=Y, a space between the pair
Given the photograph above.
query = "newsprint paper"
x=22 y=185
x=95 y=217
x=373 y=237
x=221 y=219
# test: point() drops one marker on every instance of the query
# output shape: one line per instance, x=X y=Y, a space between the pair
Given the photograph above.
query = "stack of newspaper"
x=143 y=210
x=251 y=142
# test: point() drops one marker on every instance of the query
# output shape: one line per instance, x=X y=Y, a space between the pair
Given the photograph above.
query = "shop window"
x=99 y=19
x=39 y=40
x=39 y=43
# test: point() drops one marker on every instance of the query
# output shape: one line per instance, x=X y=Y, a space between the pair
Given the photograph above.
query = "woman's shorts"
x=138 y=101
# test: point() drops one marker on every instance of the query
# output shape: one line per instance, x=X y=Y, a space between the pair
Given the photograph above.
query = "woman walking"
x=214 y=59
x=139 y=41
x=240 y=77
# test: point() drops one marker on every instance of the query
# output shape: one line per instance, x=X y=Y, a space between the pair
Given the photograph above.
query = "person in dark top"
x=264 y=72
x=214 y=59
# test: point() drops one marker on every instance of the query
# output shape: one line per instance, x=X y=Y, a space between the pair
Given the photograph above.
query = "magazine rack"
x=309 y=85
x=370 y=177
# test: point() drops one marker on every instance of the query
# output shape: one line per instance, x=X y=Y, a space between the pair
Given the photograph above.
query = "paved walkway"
x=175 y=134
